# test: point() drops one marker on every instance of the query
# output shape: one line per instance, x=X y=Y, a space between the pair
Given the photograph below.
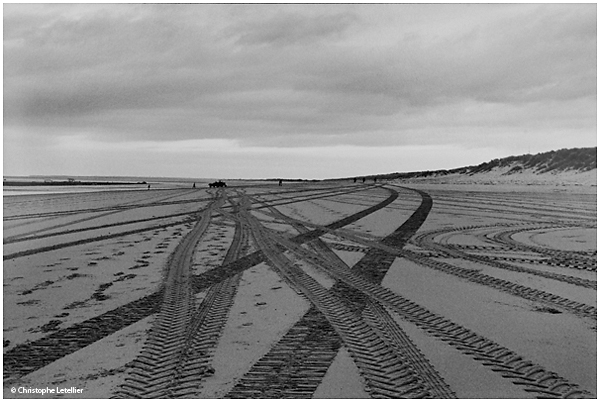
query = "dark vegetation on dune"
x=574 y=159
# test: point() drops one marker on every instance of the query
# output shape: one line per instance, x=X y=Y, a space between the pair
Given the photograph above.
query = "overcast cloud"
x=292 y=90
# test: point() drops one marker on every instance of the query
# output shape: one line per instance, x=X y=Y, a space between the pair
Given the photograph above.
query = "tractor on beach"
x=217 y=184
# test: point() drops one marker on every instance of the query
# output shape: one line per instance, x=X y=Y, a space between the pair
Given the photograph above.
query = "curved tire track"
x=31 y=356
x=385 y=373
x=311 y=345
x=532 y=377
x=427 y=242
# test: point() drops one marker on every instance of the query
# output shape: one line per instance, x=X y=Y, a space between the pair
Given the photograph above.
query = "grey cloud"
x=199 y=71
x=286 y=28
x=526 y=58
x=92 y=41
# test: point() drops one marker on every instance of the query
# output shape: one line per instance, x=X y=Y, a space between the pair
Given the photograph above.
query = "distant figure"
x=364 y=179
x=280 y=181
x=355 y=179
x=148 y=186
x=375 y=179
x=194 y=186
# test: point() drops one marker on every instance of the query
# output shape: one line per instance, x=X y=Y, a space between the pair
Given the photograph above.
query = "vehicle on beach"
x=217 y=184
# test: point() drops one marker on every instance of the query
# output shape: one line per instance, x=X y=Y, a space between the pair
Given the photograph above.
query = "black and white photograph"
x=299 y=200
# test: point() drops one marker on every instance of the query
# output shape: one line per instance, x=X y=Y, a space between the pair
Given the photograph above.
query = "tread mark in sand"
x=35 y=234
x=31 y=356
x=147 y=377
x=532 y=377
x=365 y=341
x=426 y=241
x=386 y=375
x=58 y=246
x=154 y=371
x=312 y=343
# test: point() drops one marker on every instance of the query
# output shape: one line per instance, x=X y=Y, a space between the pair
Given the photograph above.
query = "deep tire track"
x=153 y=372
x=383 y=370
x=530 y=376
x=31 y=356
x=58 y=246
x=379 y=256
x=540 y=296
x=379 y=320
x=208 y=321
x=311 y=345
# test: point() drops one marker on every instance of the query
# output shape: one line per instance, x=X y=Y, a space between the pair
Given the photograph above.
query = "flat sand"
x=319 y=290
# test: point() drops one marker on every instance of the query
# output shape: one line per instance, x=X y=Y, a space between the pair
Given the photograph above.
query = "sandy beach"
x=444 y=288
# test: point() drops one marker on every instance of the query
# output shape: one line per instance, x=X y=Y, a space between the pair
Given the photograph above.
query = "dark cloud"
x=288 y=75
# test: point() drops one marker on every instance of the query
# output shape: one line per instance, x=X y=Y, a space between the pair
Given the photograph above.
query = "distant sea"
x=154 y=182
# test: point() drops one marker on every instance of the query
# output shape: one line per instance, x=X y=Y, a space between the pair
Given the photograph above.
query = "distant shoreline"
x=69 y=183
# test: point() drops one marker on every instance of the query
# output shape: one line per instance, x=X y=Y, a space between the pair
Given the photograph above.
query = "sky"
x=292 y=90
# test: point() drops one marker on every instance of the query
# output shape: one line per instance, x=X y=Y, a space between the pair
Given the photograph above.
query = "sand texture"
x=401 y=289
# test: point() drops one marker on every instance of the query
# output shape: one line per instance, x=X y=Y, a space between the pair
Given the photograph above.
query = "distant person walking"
x=194 y=186
x=280 y=182
x=148 y=186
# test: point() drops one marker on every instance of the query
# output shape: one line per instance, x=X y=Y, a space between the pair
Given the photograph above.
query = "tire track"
x=500 y=203
x=200 y=340
x=378 y=319
x=311 y=345
x=154 y=371
x=295 y=365
x=539 y=296
x=38 y=250
x=530 y=376
x=24 y=253
x=208 y=321
x=35 y=234
x=379 y=257
x=503 y=241
x=427 y=242
x=38 y=221
x=572 y=259
x=118 y=208
x=31 y=356
x=26 y=358
x=385 y=373
x=294 y=200
x=18 y=239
